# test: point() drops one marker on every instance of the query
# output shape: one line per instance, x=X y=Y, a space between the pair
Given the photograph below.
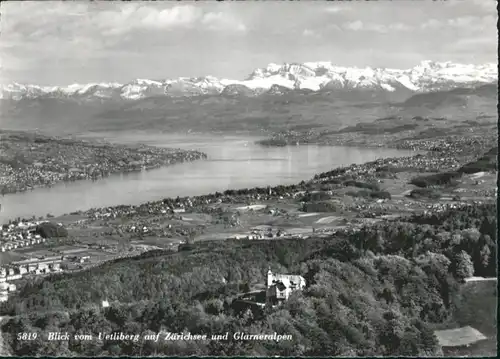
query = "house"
x=280 y=286
x=81 y=258
x=278 y=291
x=14 y=277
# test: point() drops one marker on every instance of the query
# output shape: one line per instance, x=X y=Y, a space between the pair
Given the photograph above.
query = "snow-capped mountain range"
x=312 y=76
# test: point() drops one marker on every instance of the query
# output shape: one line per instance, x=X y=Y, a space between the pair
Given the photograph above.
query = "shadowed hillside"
x=455 y=97
x=329 y=109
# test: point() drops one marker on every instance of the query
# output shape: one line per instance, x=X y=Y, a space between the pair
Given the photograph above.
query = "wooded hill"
x=376 y=292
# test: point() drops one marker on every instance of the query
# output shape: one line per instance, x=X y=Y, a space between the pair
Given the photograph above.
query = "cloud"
x=354 y=25
x=461 y=21
x=177 y=17
x=39 y=20
x=431 y=24
x=381 y=28
x=35 y=32
x=488 y=6
x=466 y=44
x=336 y=9
x=310 y=33
x=448 y=23
x=133 y=17
x=222 y=21
x=471 y=24
x=64 y=42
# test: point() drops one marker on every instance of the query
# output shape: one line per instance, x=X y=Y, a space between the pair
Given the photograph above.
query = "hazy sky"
x=56 y=43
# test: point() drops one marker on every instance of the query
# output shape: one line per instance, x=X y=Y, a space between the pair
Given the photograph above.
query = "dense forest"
x=379 y=291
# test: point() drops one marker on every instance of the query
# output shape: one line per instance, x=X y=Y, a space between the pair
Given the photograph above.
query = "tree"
x=485 y=256
x=51 y=230
x=464 y=267
x=214 y=306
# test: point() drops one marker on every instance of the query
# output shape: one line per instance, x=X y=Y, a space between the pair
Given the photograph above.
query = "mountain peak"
x=314 y=76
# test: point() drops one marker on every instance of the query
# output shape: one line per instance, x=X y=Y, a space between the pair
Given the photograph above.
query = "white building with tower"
x=280 y=286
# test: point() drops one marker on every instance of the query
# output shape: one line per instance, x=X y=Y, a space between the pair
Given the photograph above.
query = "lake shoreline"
x=226 y=161
x=141 y=190
x=30 y=160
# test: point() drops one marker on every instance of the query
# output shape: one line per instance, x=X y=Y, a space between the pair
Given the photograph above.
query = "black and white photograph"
x=248 y=178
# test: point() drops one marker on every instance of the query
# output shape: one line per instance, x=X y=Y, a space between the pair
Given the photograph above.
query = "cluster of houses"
x=442 y=207
x=370 y=169
x=22 y=234
x=79 y=157
x=261 y=232
x=17 y=270
x=450 y=144
x=5 y=289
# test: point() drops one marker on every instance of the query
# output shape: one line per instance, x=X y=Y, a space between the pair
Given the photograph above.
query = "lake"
x=233 y=162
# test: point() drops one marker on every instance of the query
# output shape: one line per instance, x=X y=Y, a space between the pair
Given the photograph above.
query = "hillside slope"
x=376 y=292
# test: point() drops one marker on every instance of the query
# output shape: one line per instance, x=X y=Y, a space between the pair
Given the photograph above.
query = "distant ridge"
x=276 y=80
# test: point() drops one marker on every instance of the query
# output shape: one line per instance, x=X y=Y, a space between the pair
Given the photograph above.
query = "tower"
x=269 y=278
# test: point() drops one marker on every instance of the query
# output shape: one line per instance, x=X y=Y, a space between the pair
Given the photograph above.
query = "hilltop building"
x=280 y=286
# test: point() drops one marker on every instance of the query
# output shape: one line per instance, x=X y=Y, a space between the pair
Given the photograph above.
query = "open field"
x=8 y=257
